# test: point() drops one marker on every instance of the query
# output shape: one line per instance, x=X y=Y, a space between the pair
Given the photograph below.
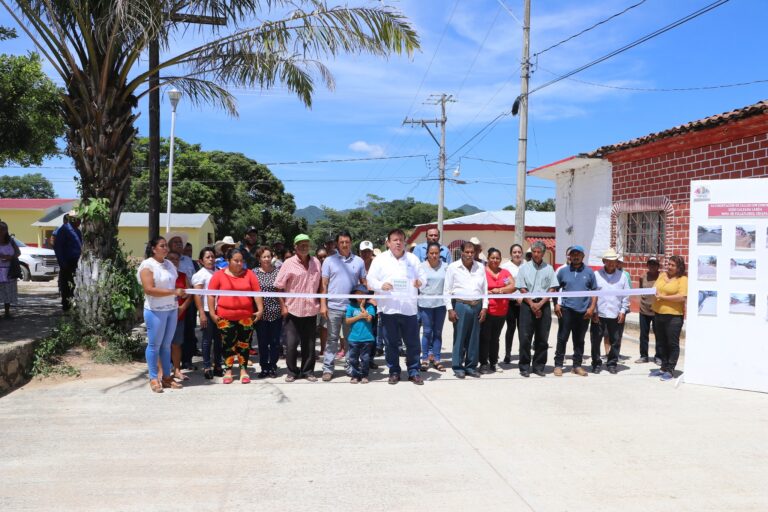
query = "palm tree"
x=96 y=47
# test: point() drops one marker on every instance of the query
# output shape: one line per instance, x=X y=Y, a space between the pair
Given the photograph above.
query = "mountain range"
x=314 y=213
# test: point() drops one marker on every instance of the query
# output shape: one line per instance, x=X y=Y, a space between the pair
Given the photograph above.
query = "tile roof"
x=32 y=204
x=758 y=108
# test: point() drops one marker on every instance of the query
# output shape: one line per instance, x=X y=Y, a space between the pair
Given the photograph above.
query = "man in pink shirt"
x=300 y=274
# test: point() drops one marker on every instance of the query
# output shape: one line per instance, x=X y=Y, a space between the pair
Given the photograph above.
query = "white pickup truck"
x=36 y=263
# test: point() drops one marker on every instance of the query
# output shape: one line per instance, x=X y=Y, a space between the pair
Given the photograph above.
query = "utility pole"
x=442 y=100
x=522 y=141
x=154 y=116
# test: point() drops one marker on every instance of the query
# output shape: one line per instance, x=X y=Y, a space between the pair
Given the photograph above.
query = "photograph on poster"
x=742 y=303
x=709 y=235
x=707 y=302
x=743 y=268
x=707 y=268
x=745 y=237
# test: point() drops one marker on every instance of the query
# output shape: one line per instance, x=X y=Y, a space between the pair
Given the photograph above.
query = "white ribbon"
x=400 y=296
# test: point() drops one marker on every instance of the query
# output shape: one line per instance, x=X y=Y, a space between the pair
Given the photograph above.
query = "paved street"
x=502 y=442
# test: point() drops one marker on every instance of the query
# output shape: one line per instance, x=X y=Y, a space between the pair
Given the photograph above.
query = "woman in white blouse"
x=158 y=278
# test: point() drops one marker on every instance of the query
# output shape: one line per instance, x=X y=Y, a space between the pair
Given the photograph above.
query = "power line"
x=494 y=120
x=479 y=50
x=637 y=42
x=601 y=22
x=663 y=89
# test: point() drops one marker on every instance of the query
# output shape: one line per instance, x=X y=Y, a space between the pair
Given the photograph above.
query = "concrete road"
x=601 y=443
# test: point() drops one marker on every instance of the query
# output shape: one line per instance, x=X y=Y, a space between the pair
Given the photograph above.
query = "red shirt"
x=234 y=308
x=498 y=307
x=181 y=282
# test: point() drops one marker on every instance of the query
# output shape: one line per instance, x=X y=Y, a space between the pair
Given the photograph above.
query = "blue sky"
x=471 y=49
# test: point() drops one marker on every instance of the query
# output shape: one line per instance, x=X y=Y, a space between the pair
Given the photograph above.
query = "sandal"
x=227 y=379
x=168 y=382
x=245 y=379
x=155 y=386
x=438 y=366
x=424 y=366
x=180 y=376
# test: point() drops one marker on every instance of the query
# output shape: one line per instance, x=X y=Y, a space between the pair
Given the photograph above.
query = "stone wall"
x=16 y=364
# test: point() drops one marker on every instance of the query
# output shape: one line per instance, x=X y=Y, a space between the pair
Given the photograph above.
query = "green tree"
x=28 y=186
x=534 y=205
x=237 y=191
x=97 y=47
x=30 y=118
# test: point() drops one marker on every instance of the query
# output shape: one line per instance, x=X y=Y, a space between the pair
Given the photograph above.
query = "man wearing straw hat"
x=611 y=311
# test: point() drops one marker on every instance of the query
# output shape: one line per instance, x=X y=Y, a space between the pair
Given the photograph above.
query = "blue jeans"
x=161 y=325
x=336 y=325
x=403 y=328
x=432 y=320
x=466 y=337
x=360 y=357
x=268 y=335
x=211 y=336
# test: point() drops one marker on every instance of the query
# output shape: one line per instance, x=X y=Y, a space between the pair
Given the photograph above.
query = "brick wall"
x=738 y=149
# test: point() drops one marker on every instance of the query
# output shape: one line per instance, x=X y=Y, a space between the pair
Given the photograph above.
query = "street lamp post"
x=174 y=96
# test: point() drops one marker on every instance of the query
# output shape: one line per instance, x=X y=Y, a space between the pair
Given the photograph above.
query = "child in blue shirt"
x=359 y=317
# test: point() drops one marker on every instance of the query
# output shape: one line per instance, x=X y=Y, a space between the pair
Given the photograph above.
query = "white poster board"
x=727 y=309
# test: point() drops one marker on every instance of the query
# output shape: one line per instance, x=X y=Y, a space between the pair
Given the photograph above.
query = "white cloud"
x=372 y=150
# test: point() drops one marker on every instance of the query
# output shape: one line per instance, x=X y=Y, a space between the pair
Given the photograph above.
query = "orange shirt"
x=234 y=308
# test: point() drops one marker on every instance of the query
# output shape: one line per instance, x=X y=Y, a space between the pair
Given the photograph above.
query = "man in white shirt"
x=611 y=311
x=399 y=274
x=466 y=280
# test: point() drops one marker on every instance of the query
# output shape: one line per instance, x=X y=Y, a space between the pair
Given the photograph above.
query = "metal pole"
x=522 y=144
x=174 y=97
x=441 y=197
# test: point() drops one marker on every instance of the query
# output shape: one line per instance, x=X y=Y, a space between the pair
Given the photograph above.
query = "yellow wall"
x=134 y=239
x=20 y=224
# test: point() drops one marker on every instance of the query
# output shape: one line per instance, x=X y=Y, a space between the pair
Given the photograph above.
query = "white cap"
x=366 y=245
x=474 y=240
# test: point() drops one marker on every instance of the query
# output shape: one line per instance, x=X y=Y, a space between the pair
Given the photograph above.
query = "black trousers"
x=573 y=324
x=534 y=330
x=513 y=320
x=67 y=285
x=300 y=332
x=490 y=332
x=190 y=340
x=667 y=330
x=612 y=328
x=647 y=323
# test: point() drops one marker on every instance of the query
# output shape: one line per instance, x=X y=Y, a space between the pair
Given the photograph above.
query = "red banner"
x=738 y=210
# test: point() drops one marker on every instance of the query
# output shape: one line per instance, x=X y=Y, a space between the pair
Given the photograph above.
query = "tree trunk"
x=100 y=137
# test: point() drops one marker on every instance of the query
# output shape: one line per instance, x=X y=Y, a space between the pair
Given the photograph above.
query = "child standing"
x=359 y=317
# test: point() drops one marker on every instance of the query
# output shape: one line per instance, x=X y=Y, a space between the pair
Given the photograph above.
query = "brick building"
x=634 y=195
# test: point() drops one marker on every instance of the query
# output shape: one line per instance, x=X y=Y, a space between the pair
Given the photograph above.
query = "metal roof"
x=141 y=220
x=502 y=217
x=32 y=204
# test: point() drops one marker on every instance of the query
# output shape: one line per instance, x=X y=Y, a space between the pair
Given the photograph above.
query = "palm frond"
x=201 y=92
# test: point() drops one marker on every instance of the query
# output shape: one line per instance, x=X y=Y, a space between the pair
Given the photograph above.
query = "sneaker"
x=655 y=373
x=492 y=368
x=666 y=376
x=484 y=369
x=540 y=373
x=578 y=370
x=327 y=376
x=460 y=375
x=596 y=369
x=642 y=360
x=558 y=371
x=354 y=380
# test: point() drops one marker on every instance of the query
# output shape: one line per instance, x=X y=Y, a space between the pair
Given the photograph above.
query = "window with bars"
x=641 y=233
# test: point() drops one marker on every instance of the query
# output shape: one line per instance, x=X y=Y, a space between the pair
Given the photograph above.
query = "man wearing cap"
x=249 y=245
x=341 y=272
x=176 y=243
x=611 y=311
x=301 y=273
x=68 y=245
x=535 y=312
x=574 y=313
x=480 y=256
x=433 y=235
x=466 y=278
x=647 y=315
x=399 y=273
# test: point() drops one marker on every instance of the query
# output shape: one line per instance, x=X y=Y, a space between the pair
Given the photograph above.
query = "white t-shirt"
x=164 y=275
x=203 y=277
x=511 y=267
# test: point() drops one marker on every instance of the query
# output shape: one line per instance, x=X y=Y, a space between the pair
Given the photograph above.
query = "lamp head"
x=174 y=95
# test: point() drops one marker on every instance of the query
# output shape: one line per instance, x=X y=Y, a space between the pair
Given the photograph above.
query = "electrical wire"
x=631 y=45
x=601 y=22
x=484 y=128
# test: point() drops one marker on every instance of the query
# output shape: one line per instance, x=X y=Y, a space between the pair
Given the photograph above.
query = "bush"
x=49 y=350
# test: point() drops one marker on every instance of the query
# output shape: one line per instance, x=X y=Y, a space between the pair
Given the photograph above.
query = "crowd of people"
x=396 y=303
